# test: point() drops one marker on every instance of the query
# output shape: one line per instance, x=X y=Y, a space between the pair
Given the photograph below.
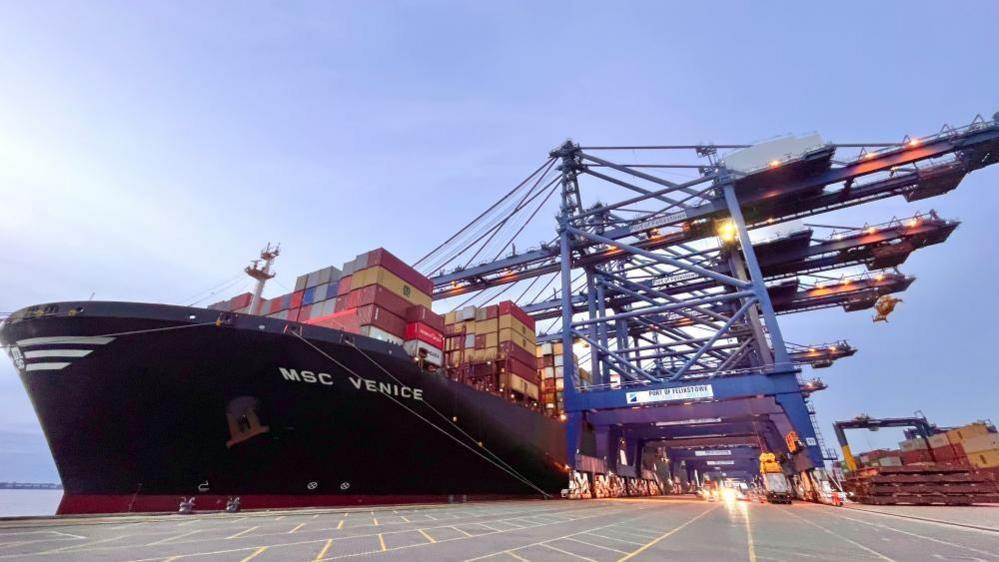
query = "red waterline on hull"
x=88 y=504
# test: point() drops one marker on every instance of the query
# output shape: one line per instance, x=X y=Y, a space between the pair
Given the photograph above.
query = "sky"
x=148 y=151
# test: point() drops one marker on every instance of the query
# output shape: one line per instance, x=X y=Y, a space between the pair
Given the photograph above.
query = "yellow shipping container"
x=468 y=326
x=451 y=317
x=381 y=276
x=508 y=335
x=958 y=435
x=485 y=326
x=517 y=384
x=509 y=321
x=986 y=442
x=985 y=459
x=492 y=339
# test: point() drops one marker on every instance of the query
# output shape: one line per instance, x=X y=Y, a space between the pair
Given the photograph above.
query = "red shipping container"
x=945 y=453
x=296 y=299
x=346 y=321
x=374 y=315
x=526 y=372
x=293 y=315
x=514 y=351
x=419 y=313
x=424 y=333
x=240 y=301
x=492 y=312
x=374 y=294
x=305 y=313
x=275 y=304
x=343 y=287
x=509 y=307
x=916 y=456
x=382 y=257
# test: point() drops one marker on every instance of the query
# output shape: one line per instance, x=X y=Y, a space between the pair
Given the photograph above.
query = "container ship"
x=349 y=390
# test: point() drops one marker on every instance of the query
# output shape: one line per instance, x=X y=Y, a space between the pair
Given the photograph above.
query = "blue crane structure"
x=670 y=305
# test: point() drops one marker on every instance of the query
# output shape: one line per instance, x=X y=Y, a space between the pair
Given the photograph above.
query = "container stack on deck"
x=381 y=297
x=550 y=364
x=493 y=348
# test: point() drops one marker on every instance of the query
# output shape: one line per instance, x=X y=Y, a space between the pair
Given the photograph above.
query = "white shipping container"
x=319 y=294
x=939 y=440
x=300 y=282
x=470 y=341
x=348 y=268
x=283 y=315
x=761 y=155
x=546 y=348
x=916 y=444
x=548 y=372
x=559 y=360
x=467 y=313
x=379 y=334
x=312 y=280
x=433 y=356
x=326 y=308
x=985 y=442
x=558 y=372
x=890 y=461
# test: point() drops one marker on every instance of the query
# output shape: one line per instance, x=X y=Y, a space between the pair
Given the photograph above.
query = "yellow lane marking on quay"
x=299 y=526
x=664 y=536
x=243 y=532
x=340 y=525
x=426 y=536
x=583 y=514
x=381 y=541
x=256 y=553
x=326 y=548
x=514 y=555
x=512 y=551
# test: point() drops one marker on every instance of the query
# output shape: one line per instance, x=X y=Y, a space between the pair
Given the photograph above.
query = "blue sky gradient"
x=148 y=150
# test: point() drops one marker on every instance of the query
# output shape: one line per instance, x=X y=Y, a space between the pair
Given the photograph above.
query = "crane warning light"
x=727 y=231
x=775 y=163
x=912 y=143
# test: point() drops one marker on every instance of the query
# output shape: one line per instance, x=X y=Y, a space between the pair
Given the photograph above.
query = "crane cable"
x=500 y=464
x=546 y=163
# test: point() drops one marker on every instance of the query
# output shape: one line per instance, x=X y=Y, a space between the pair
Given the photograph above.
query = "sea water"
x=29 y=502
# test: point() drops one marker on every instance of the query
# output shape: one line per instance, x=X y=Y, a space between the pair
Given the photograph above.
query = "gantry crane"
x=674 y=302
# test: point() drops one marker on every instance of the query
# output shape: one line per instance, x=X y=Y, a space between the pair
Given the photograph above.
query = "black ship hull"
x=142 y=404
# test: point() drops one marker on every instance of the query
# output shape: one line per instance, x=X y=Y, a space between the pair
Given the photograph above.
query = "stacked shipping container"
x=381 y=297
x=550 y=364
x=493 y=348
x=975 y=445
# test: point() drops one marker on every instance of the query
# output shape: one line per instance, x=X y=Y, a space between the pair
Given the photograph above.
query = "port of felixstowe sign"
x=676 y=393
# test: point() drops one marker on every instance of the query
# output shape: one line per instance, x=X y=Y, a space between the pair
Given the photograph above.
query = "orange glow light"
x=774 y=163
x=913 y=142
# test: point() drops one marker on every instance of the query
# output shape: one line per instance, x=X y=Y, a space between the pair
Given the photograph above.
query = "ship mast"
x=262 y=274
